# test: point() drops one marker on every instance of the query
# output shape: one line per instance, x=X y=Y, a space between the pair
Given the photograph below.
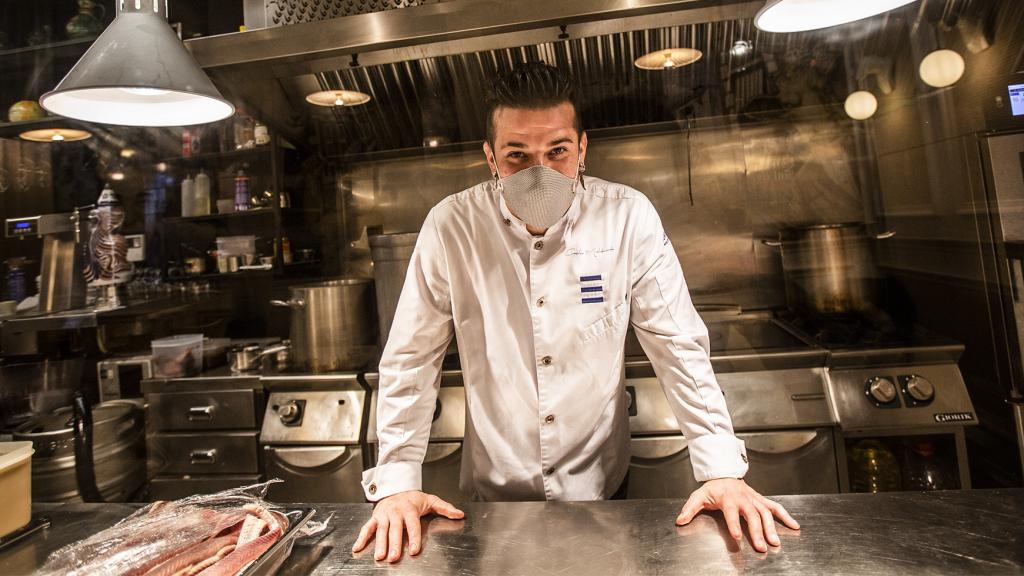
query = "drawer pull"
x=202 y=457
x=809 y=396
x=199 y=413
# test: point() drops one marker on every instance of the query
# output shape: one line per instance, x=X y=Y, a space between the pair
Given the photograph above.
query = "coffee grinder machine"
x=61 y=281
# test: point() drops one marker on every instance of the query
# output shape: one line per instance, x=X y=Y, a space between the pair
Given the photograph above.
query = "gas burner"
x=873 y=329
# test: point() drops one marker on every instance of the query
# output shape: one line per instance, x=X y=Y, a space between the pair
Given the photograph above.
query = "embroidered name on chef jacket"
x=591 y=289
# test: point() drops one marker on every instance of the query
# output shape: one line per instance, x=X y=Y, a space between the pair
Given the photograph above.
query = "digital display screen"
x=1017 y=99
x=20 y=225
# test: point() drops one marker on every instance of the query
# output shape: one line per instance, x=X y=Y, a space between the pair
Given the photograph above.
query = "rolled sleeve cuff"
x=718 y=456
x=392 y=478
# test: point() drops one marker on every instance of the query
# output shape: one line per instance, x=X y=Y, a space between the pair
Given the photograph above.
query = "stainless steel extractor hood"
x=426 y=65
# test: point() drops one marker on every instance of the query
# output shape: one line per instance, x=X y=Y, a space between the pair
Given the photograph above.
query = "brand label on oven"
x=954 y=417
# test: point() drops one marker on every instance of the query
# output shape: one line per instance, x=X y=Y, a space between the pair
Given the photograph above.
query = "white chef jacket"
x=541 y=325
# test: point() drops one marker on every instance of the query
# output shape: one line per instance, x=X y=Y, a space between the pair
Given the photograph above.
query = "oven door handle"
x=439 y=452
x=776 y=443
x=303 y=461
x=654 y=451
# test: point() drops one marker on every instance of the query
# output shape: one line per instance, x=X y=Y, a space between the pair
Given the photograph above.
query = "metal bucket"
x=391 y=254
x=31 y=389
x=332 y=325
x=118 y=453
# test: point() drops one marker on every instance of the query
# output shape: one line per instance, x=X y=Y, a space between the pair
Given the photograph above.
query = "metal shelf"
x=220 y=157
x=225 y=216
x=60 y=49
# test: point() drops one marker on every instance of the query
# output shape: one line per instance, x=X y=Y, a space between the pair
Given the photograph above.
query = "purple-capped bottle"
x=243 y=189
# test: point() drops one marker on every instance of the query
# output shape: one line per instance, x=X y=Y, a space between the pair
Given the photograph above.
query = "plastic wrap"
x=215 y=534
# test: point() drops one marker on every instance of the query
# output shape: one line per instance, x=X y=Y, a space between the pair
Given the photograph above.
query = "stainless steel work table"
x=977 y=532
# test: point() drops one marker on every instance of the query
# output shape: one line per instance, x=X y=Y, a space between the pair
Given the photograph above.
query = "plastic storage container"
x=15 y=485
x=178 y=356
x=236 y=245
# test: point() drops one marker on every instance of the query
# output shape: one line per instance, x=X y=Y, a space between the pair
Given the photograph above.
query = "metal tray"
x=270 y=561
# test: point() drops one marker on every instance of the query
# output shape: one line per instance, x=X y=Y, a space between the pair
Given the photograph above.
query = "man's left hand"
x=735 y=499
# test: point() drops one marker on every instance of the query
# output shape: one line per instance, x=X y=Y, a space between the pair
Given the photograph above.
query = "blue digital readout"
x=21 y=225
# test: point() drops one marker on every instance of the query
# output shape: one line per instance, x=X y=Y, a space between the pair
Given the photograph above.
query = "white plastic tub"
x=15 y=486
x=178 y=356
x=236 y=245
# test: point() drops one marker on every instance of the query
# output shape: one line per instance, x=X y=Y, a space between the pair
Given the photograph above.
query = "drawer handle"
x=197 y=413
x=809 y=396
x=202 y=457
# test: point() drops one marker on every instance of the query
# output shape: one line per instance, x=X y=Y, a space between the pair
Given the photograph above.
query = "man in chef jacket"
x=538 y=272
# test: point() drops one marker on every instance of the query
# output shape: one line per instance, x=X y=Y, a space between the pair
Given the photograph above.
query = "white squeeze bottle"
x=202 y=194
x=188 y=196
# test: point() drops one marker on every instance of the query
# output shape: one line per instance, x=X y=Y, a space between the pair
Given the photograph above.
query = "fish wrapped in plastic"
x=210 y=535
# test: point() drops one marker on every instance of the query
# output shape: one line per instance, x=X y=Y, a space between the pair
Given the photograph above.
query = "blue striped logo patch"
x=591 y=289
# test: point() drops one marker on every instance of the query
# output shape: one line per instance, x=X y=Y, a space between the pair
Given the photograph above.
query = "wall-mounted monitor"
x=1017 y=99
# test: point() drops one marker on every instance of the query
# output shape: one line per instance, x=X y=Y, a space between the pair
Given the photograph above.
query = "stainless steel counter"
x=957 y=532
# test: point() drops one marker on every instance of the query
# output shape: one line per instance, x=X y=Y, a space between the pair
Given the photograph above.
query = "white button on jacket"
x=541 y=325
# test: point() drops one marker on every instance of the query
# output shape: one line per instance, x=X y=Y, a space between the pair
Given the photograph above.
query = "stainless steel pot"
x=829 y=268
x=332 y=325
x=250 y=357
x=391 y=254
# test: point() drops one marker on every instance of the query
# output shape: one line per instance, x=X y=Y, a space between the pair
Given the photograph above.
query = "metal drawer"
x=175 y=487
x=221 y=453
x=218 y=410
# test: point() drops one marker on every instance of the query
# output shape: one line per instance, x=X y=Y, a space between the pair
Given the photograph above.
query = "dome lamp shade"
x=803 y=15
x=138 y=73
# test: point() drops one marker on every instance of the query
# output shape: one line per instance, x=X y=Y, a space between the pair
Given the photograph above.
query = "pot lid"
x=344 y=281
x=59 y=422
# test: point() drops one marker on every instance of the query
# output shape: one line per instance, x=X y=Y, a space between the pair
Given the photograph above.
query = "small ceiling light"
x=55 y=135
x=338 y=98
x=668 y=58
x=138 y=73
x=116 y=175
x=942 y=68
x=127 y=152
x=161 y=167
x=802 y=15
x=861 y=105
x=741 y=48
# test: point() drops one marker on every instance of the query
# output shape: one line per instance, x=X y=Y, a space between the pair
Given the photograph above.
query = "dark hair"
x=532 y=85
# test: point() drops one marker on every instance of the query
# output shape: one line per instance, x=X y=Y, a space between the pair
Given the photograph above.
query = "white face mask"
x=538 y=195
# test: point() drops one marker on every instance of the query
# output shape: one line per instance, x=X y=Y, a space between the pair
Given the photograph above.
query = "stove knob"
x=882 y=390
x=920 y=388
x=289 y=413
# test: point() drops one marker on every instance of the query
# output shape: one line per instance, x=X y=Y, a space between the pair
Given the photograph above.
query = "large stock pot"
x=333 y=324
x=829 y=268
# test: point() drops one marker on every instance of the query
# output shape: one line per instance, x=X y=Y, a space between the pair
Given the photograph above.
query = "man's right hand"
x=397 y=514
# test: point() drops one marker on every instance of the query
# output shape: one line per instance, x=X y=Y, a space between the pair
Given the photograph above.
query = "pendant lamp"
x=138 y=73
x=802 y=15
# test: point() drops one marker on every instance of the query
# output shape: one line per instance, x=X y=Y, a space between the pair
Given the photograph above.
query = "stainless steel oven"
x=900 y=401
x=312 y=437
x=902 y=427
x=775 y=387
x=442 y=463
x=121 y=377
